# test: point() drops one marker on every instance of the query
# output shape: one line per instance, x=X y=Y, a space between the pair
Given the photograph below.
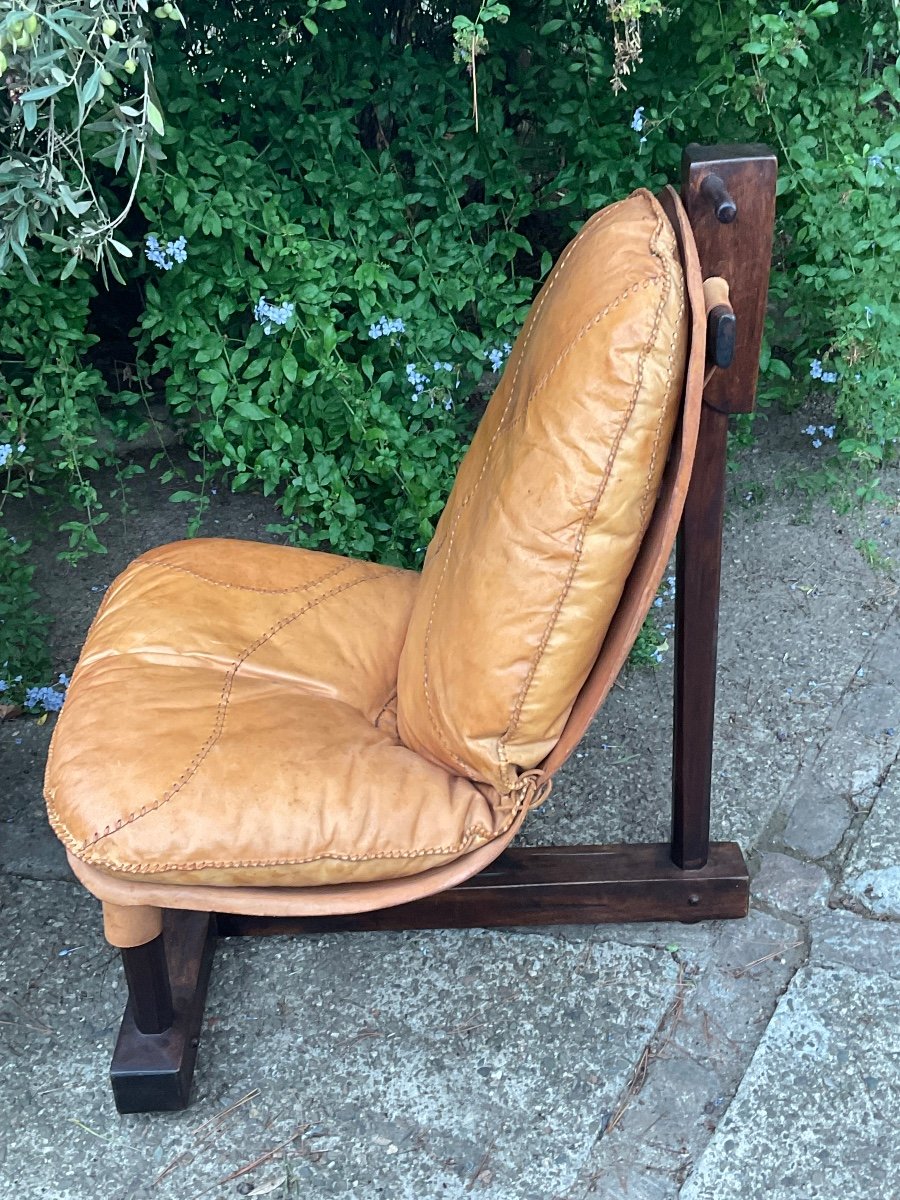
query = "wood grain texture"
x=739 y=249
x=149 y=989
x=736 y=244
x=553 y=885
x=152 y=1072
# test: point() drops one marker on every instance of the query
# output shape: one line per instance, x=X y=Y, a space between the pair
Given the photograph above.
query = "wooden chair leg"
x=153 y=1063
x=149 y=989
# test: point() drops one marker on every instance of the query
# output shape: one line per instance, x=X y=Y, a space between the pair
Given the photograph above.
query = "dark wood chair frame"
x=729 y=195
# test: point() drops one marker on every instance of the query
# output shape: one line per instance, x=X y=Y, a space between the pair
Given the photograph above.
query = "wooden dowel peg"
x=714 y=189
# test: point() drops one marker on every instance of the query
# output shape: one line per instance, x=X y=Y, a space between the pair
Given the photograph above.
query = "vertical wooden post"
x=149 y=989
x=729 y=195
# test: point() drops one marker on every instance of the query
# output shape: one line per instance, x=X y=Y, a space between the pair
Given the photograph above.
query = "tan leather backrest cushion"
x=546 y=516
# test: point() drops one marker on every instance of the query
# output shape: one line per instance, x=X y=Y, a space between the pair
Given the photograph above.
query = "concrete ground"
x=748 y=1059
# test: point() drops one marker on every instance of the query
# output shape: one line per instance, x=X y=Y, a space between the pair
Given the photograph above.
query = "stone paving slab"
x=696 y=1061
x=841 y=938
x=419 y=1065
x=871 y=875
x=857 y=749
x=790 y=885
x=801 y=616
x=817 y=1113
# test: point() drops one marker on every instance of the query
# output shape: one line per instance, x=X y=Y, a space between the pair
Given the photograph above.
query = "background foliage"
x=356 y=256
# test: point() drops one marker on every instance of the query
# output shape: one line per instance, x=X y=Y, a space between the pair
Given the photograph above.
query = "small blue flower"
x=443 y=366
x=165 y=260
x=830 y=376
x=3 y=685
x=21 y=447
x=828 y=430
x=817 y=442
x=815 y=368
x=810 y=429
x=497 y=357
x=416 y=378
x=44 y=697
x=876 y=161
x=637 y=120
x=270 y=315
x=658 y=602
x=64 y=680
x=385 y=326
x=5 y=452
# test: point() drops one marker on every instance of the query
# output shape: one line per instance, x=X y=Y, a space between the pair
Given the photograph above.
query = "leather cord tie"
x=530 y=790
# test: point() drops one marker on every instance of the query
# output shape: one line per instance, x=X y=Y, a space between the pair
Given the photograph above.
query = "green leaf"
x=40 y=93
x=91 y=89
x=289 y=366
x=251 y=412
x=155 y=117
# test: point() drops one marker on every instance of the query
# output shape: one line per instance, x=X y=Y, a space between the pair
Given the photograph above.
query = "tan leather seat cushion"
x=232 y=721
x=532 y=552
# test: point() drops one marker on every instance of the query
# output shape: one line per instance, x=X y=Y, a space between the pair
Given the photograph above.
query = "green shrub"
x=357 y=433
x=50 y=401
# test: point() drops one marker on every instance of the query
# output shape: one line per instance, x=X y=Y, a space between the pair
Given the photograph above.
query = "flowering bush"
x=336 y=261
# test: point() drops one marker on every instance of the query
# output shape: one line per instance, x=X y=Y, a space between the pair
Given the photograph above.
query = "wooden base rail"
x=157 y=1045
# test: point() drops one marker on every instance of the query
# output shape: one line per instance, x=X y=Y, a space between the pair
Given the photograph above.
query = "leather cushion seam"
x=588 y=518
x=551 y=283
x=670 y=364
x=384 y=708
x=426 y=683
x=224 y=698
x=245 y=587
x=468 y=835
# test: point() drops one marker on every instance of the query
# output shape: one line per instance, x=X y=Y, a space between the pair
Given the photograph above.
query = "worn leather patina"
x=532 y=552
x=233 y=727
x=232 y=720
